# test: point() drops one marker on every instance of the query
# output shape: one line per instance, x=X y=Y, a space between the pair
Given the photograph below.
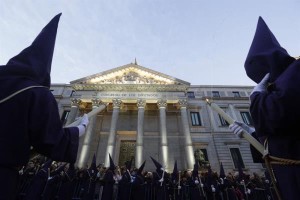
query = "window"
x=236 y=94
x=215 y=94
x=195 y=117
x=237 y=158
x=247 y=118
x=64 y=116
x=223 y=121
x=201 y=156
x=190 y=95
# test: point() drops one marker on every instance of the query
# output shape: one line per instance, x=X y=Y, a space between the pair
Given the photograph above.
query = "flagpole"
x=90 y=114
x=257 y=145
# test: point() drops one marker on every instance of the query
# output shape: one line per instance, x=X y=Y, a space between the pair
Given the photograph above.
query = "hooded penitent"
x=175 y=173
x=32 y=66
x=112 y=165
x=222 y=171
x=195 y=171
x=93 y=166
x=141 y=168
x=266 y=55
x=128 y=164
x=157 y=165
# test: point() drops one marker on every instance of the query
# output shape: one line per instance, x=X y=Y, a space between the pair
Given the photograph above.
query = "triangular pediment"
x=130 y=74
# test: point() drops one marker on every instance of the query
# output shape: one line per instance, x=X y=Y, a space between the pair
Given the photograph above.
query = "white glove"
x=262 y=85
x=238 y=127
x=196 y=182
x=213 y=189
x=83 y=124
x=222 y=181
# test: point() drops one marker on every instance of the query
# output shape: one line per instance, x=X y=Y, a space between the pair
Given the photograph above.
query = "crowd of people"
x=43 y=178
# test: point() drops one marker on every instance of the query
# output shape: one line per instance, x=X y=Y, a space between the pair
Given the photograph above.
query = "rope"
x=273 y=160
x=19 y=91
x=276 y=160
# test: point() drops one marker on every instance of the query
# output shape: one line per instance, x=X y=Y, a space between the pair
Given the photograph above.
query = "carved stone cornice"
x=75 y=102
x=141 y=103
x=162 y=103
x=117 y=103
x=131 y=87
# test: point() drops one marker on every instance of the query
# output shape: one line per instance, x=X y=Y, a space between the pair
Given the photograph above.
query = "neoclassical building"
x=145 y=113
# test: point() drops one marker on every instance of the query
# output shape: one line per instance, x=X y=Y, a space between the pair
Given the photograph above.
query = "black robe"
x=125 y=187
x=108 y=186
x=276 y=116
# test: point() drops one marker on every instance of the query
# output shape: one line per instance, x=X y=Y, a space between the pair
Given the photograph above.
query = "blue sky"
x=201 y=42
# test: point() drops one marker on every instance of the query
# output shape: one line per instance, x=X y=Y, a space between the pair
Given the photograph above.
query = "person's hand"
x=262 y=85
x=83 y=124
x=238 y=127
x=84 y=120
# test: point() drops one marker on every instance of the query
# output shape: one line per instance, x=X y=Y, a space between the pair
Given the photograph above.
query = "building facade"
x=146 y=113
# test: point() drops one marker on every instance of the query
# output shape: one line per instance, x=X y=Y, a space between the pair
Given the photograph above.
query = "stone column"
x=88 y=137
x=189 y=152
x=112 y=133
x=162 y=104
x=140 y=133
x=74 y=110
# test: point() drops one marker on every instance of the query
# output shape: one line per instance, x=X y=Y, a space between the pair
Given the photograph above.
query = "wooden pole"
x=257 y=145
x=90 y=114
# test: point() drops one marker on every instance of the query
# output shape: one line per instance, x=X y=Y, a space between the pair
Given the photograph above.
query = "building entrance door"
x=127 y=152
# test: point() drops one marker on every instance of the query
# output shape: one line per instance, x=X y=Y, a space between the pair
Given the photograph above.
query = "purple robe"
x=31 y=119
x=276 y=116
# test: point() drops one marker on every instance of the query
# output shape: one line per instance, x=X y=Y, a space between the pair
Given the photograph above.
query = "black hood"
x=266 y=55
x=34 y=62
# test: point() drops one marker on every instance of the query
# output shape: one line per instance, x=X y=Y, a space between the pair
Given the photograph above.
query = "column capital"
x=141 y=103
x=117 y=103
x=75 y=102
x=182 y=103
x=96 y=102
x=162 y=103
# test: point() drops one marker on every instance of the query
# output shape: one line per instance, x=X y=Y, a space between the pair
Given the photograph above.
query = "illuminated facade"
x=147 y=113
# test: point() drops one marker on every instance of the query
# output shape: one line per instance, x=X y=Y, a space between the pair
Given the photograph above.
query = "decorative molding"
x=117 y=103
x=162 y=103
x=130 y=87
x=75 y=102
x=96 y=102
x=183 y=103
x=141 y=103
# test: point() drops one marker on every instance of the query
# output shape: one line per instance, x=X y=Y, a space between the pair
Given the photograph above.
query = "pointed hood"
x=209 y=178
x=34 y=62
x=141 y=168
x=266 y=55
x=195 y=170
x=128 y=164
x=157 y=165
x=111 y=164
x=175 y=172
x=222 y=171
x=241 y=173
x=93 y=164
